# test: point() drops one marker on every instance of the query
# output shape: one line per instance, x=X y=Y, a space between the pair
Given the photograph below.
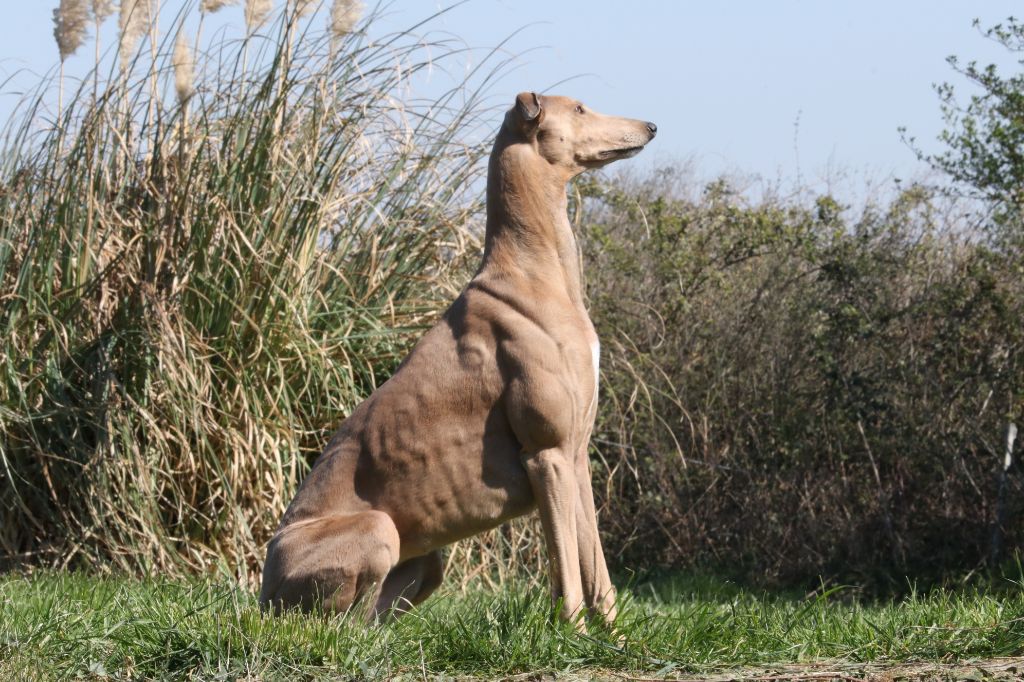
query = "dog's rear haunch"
x=490 y=415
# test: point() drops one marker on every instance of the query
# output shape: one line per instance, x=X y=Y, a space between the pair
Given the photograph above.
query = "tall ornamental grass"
x=199 y=278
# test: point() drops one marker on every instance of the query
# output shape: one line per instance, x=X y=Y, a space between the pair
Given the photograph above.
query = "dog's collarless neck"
x=528 y=230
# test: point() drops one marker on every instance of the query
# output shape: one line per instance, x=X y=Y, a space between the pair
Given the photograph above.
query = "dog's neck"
x=528 y=232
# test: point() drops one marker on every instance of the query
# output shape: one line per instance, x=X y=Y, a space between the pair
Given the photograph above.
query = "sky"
x=781 y=90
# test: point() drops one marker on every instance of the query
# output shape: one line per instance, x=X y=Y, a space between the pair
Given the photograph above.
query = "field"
x=60 y=625
x=209 y=256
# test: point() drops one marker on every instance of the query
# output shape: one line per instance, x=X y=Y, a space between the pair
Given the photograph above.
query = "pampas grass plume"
x=211 y=6
x=101 y=9
x=304 y=7
x=184 y=68
x=134 y=22
x=256 y=12
x=344 y=16
x=70 y=20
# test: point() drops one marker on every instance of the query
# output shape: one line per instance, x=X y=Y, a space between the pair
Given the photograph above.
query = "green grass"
x=58 y=625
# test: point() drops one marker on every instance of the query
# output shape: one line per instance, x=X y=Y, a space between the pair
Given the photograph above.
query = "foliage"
x=193 y=295
x=985 y=136
x=790 y=392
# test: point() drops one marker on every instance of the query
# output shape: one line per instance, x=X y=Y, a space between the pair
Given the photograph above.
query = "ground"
x=826 y=671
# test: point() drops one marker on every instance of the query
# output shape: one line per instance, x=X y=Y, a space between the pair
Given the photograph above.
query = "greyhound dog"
x=490 y=414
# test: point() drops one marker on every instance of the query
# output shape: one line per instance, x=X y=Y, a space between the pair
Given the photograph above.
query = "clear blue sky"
x=726 y=82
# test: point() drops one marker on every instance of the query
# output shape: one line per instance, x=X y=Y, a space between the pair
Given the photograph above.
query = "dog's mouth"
x=620 y=153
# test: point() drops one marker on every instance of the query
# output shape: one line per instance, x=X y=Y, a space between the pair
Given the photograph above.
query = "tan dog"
x=488 y=417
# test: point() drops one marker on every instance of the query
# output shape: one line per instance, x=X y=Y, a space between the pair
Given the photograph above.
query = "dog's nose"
x=653 y=128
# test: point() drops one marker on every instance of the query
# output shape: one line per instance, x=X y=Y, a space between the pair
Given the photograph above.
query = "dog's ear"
x=529 y=110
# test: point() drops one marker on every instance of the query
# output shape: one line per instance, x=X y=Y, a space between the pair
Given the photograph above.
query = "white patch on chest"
x=595 y=356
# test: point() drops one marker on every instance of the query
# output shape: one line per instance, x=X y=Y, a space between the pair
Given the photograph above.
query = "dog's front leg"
x=552 y=476
x=598 y=591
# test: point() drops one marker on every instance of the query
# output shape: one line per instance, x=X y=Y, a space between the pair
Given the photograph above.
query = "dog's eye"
x=579 y=108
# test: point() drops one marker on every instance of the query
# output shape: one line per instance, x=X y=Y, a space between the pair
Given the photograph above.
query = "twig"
x=1000 y=516
x=759 y=678
x=883 y=499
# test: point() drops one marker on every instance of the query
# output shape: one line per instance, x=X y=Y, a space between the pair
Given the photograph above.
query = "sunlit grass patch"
x=67 y=624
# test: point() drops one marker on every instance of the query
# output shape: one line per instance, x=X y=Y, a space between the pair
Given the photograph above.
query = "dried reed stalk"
x=70 y=19
x=101 y=11
x=153 y=14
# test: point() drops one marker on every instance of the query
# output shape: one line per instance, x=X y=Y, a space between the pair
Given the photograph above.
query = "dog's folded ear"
x=529 y=110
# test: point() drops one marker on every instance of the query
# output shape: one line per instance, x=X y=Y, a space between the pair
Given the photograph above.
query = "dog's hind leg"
x=331 y=562
x=409 y=583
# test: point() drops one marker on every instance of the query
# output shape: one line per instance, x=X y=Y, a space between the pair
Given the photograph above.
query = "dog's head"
x=571 y=136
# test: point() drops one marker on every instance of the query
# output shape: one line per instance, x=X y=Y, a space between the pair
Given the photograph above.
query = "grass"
x=62 y=625
x=193 y=294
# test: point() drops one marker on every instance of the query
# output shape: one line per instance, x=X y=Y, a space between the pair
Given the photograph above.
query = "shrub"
x=790 y=393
